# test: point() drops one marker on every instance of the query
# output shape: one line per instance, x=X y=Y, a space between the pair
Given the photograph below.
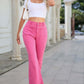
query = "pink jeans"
x=35 y=39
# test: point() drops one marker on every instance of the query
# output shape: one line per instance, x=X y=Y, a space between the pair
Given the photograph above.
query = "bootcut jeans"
x=35 y=40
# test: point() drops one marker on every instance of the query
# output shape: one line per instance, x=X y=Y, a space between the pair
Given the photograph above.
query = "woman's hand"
x=18 y=39
x=51 y=2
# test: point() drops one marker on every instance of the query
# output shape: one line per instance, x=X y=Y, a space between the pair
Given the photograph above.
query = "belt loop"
x=38 y=24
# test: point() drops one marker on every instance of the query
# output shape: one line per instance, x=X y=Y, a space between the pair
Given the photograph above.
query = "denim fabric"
x=35 y=40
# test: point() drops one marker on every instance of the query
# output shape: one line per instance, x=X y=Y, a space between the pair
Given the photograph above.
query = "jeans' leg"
x=41 y=41
x=34 y=69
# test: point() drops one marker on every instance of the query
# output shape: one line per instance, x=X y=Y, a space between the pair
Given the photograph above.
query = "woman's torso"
x=37 y=19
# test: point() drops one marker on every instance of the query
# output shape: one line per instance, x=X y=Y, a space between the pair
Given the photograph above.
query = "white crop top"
x=36 y=9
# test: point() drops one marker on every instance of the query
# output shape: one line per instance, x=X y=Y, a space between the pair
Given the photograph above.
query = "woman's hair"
x=46 y=1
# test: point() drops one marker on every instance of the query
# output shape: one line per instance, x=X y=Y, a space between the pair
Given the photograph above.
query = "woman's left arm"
x=51 y=2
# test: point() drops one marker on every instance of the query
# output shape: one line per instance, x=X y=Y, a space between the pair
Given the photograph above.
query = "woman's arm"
x=20 y=26
x=51 y=2
x=21 y=22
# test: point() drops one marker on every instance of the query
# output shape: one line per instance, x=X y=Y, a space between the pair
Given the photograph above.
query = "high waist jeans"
x=35 y=39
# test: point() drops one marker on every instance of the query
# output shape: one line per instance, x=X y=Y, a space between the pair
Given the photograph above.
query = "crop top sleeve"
x=24 y=6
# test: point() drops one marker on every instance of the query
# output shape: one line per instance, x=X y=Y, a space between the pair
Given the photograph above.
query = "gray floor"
x=62 y=64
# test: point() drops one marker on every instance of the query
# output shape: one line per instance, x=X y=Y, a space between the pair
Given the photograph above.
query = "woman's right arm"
x=21 y=22
x=20 y=26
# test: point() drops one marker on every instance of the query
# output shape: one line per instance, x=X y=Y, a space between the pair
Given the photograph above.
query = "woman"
x=35 y=36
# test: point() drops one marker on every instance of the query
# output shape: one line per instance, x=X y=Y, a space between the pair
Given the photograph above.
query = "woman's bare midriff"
x=37 y=19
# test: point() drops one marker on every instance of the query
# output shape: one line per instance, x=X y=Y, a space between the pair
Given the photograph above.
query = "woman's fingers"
x=18 y=40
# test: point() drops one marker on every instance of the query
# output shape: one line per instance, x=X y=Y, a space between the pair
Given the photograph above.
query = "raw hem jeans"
x=35 y=39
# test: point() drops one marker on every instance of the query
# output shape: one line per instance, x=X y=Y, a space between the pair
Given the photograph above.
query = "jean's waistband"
x=33 y=22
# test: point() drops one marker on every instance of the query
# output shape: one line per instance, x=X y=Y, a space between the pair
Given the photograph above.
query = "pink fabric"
x=35 y=39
